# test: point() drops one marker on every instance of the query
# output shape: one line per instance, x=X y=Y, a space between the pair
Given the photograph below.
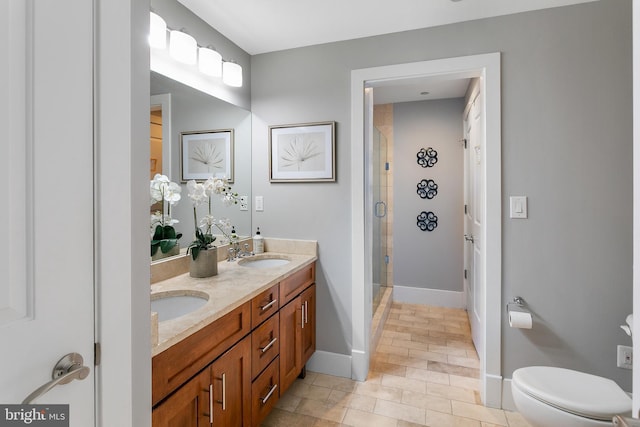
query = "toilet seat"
x=575 y=392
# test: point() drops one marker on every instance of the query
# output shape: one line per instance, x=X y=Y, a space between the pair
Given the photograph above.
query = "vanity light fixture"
x=157 y=32
x=209 y=62
x=183 y=47
x=231 y=74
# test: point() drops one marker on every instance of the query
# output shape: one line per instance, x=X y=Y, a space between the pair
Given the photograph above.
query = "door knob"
x=69 y=368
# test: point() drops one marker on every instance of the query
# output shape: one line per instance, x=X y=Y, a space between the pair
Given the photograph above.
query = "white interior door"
x=46 y=168
x=474 y=201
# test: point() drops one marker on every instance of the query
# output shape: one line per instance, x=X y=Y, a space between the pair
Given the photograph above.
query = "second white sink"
x=171 y=305
x=263 y=262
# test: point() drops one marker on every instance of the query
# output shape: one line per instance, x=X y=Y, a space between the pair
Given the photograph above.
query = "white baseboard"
x=425 y=296
x=328 y=363
x=493 y=391
x=507 y=397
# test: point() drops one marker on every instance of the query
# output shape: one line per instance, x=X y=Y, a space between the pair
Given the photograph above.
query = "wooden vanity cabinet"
x=297 y=335
x=187 y=407
x=218 y=396
x=232 y=372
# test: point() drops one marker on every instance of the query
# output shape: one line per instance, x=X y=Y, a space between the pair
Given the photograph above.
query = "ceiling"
x=260 y=26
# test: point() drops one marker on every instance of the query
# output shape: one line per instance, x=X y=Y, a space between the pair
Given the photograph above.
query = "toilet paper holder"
x=519 y=301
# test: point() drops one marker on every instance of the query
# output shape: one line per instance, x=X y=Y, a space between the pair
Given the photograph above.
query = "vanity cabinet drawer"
x=264 y=305
x=265 y=344
x=296 y=283
x=174 y=366
x=265 y=393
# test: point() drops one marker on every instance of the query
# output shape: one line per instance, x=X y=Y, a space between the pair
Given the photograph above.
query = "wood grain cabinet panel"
x=265 y=344
x=265 y=305
x=265 y=392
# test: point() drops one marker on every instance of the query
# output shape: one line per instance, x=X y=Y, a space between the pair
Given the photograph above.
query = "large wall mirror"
x=176 y=110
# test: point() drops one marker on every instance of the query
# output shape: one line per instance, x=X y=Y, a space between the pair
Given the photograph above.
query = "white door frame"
x=123 y=326
x=486 y=66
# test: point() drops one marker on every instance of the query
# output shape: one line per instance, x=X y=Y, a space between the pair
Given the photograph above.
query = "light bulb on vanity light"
x=209 y=62
x=157 y=31
x=183 y=47
x=232 y=74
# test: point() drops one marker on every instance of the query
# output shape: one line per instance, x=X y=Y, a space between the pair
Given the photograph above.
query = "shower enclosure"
x=380 y=261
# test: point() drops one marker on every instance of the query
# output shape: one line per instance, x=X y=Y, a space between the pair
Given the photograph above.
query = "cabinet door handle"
x=266 y=307
x=302 y=314
x=210 y=414
x=224 y=392
x=268 y=346
x=264 y=399
x=306 y=312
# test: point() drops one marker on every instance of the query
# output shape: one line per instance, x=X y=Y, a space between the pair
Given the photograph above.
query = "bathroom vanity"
x=227 y=362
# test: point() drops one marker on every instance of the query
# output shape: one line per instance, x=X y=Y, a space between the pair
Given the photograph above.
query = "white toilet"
x=556 y=397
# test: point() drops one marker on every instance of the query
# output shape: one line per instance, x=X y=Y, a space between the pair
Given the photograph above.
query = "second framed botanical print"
x=302 y=153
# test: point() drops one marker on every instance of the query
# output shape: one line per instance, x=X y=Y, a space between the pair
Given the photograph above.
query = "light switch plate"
x=244 y=206
x=259 y=204
x=518 y=206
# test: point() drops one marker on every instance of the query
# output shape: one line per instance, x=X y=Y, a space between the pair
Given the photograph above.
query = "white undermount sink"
x=170 y=305
x=263 y=262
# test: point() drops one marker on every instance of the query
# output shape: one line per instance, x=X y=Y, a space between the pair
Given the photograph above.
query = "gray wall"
x=566 y=144
x=428 y=259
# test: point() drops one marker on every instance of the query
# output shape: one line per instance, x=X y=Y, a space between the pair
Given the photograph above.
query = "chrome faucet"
x=246 y=252
x=231 y=254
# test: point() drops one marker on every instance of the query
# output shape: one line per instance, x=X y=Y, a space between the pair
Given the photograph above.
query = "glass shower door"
x=379 y=243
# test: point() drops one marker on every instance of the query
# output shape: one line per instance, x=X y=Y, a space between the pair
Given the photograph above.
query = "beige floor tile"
x=428 y=376
x=439 y=419
x=421 y=400
x=516 y=420
x=379 y=392
x=309 y=391
x=448 y=350
x=425 y=372
x=339 y=383
x=390 y=349
x=400 y=411
x=464 y=361
x=429 y=355
x=404 y=383
x=288 y=402
x=366 y=419
x=453 y=393
x=281 y=418
x=322 y=410
x=351 y=400
x=464 y=382
x=479 y=412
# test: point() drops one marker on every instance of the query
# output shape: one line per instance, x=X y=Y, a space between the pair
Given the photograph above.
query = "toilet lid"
x=571 y=391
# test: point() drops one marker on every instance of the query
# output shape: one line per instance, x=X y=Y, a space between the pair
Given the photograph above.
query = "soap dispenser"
x=258 y=243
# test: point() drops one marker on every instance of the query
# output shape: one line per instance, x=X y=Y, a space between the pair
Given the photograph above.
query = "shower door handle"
x=377 y=212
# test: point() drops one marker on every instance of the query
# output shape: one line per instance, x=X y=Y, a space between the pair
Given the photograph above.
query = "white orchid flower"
x=196 y=193
x=172 y=193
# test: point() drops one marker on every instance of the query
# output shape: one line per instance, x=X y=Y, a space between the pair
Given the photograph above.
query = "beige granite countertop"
x=234 y=285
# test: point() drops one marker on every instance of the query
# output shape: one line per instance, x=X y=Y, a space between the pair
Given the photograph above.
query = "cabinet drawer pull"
x=306 y=312
x=210 y=414
x=264 y=399
x=268 y=346
x=224 y=392
x=268 y=306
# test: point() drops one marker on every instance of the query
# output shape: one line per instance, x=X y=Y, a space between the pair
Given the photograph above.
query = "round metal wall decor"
x=427 y=221
x=427 y=158
x=427 y=189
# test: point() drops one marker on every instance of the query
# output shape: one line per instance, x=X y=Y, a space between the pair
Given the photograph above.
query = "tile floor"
x=424 y=373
